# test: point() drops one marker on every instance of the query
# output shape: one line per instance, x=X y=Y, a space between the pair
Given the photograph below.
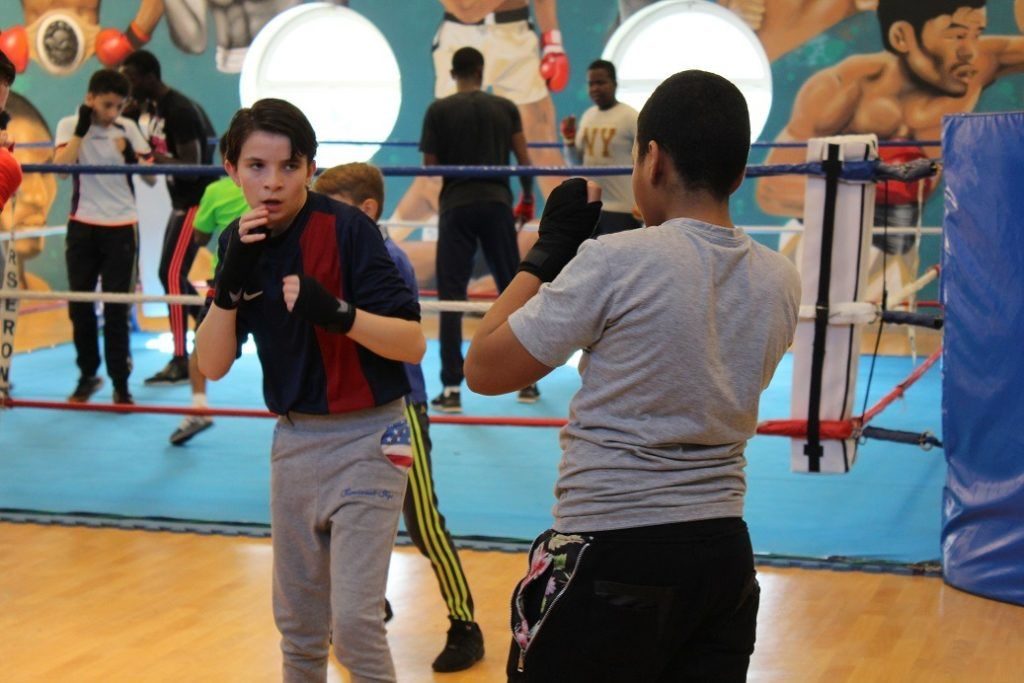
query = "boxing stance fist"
x=554 y=64
x=84 y=120
x=112 y=46
x=306 y=297
x=10 y=176
x=245 y=245
x=523 y=213
x=569 y=130
x=14 y=44
x=568 y=220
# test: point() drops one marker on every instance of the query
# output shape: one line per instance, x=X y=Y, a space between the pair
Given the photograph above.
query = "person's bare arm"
x=186 y=22
x=393 y=338
x=497 y=362
x=67 y=153
x=522 y=154
x=217 y=342
x=784 y=25
x=824 y=105
x=149 y=15
x=1002 y=55
x=546 y=12
x=430 y=159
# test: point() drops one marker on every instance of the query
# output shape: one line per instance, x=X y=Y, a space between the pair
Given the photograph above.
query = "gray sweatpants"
x=336 y=495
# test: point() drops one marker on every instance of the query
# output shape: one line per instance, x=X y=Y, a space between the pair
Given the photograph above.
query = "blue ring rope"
x=863 y=171
x=557 y=145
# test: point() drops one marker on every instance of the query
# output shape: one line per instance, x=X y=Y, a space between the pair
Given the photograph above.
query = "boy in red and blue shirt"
x=333 y=321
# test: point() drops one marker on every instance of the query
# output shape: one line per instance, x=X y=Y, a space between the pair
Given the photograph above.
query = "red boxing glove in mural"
x=10 y=176
x=112 y=46
x=554 y=63
x=14 y=44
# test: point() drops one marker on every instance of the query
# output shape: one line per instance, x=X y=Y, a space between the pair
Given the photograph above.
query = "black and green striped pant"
x=425 y=523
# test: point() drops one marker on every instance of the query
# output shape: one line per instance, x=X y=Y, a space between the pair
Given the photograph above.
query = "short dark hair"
x=700 y=119
x=144 y=62
x=917 y=13
x=7 y=70
x=603 y=64
x=109 y=81
x=467 y=61
x=270 y=115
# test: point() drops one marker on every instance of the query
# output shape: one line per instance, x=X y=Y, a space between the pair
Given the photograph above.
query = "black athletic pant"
x=425 y=523
x=671 y=603
x=459 y=231
x=176 y=257
x=109 y=254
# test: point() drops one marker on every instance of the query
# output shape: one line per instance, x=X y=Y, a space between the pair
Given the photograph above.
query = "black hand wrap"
x=5 y=118
x=567 y=221
x=84 y=120
x=239 y=260
x=322 y=308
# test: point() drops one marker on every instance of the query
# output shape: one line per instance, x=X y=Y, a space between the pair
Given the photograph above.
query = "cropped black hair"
x=109 y=81
x=604 y=64
x=467 y=62
x=917 y=13
x=270 y=115
x=144 y=62
x=700 y=119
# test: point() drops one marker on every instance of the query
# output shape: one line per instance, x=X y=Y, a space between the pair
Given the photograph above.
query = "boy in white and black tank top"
x=102 y=235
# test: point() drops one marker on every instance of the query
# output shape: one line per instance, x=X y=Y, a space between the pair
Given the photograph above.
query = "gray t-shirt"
x=682 y=325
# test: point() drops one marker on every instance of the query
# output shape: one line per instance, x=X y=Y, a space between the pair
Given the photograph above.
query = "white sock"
x=199 y=401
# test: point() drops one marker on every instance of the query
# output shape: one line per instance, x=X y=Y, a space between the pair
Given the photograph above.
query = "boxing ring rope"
x=536 y=145
x=838 y=314
x=856 y=427
x=853 y=170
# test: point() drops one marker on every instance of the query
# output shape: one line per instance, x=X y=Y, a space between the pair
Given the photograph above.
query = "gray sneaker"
x=189 y=427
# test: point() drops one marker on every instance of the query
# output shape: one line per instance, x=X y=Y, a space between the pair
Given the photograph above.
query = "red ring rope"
x=497 y=421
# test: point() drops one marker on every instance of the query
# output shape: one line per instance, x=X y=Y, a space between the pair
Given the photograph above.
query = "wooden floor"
x=85 y=605
x=107 y=605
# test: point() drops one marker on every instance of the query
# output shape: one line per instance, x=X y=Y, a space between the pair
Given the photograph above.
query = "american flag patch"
x=396 y=444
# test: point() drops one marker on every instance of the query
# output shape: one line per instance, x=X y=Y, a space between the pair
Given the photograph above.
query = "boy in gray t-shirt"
x=648 y=571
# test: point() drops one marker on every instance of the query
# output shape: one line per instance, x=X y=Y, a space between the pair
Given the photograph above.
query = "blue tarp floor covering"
x=492 y=482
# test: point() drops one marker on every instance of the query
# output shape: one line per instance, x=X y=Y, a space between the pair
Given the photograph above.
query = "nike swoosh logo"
x=249 y=297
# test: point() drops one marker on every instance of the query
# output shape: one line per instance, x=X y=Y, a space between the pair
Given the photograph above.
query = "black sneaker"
x=189 y=427
x=175 y=372
x=122 y=396
x=465 y=647
x=530 y=394
x=87 y=386
x=448 y=401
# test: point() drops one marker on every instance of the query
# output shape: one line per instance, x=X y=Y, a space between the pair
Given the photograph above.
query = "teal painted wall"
x=409 y=26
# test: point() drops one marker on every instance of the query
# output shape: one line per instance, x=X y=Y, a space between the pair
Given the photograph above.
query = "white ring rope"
x=197 y=300
x=48 y=231
x=851 y=313
x=53 y=230
x=749 y=229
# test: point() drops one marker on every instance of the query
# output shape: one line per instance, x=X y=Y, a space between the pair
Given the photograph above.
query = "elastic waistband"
x=702 y=529
x=506 y=17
